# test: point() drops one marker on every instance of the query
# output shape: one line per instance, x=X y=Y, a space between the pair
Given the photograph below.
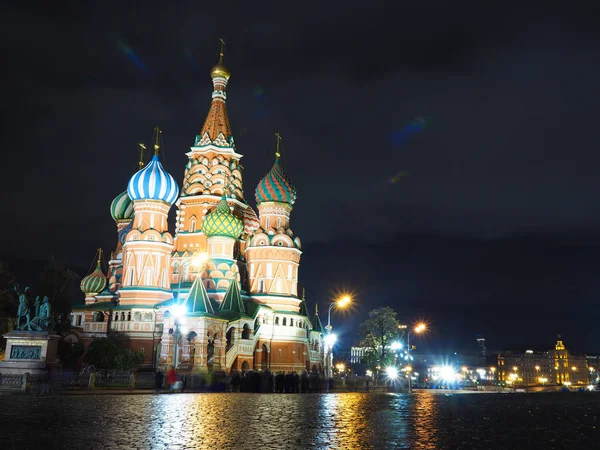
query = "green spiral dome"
x=94 y=283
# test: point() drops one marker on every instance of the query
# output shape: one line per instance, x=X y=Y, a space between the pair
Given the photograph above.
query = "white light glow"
x=178 y=311
x=330 y=339
x=391 y=372
x=396 y=345
x=447 y=373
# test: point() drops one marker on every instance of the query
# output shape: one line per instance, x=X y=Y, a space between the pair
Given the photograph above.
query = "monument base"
x=29 y=352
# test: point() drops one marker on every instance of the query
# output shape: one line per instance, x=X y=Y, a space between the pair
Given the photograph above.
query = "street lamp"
x=341 y=302
x=178 y=311
x=419 y=328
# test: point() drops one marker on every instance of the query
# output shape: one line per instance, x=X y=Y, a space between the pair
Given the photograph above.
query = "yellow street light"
x=343 y=301
x=537 y=368
x=420 y=327
x=574 y=368
x=492 y=369
x=515 y=368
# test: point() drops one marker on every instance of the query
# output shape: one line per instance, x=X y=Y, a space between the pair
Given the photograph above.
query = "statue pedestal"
x=29 y=351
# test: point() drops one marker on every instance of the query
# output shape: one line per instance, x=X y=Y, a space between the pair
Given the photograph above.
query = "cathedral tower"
x=148 y=245
x=273 y=254
x=213 y=169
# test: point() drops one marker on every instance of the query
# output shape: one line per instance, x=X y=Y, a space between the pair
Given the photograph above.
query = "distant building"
x=553 y=367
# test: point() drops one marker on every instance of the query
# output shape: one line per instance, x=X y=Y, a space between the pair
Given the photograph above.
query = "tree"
x=108 y=353
x=102 y=352
x=58 y=282
x=377 y=333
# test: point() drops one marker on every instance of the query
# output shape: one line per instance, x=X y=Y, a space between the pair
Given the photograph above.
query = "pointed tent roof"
x=317 y=325
x=197 y=302
x=217 y=121
x=232 y=305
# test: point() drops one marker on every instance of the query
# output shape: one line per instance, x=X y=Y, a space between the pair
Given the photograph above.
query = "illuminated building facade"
x=553 y=367
x=234 y=272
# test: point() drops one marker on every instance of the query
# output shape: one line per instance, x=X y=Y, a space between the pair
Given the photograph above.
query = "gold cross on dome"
x=277 y=152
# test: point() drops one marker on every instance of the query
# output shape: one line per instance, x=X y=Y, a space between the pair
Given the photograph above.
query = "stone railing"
x=230 y=356
x=95 y=327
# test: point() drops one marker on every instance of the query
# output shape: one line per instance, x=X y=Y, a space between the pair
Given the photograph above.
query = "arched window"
x=193 y=224
x=246 y=332
x=284 y=321
x=122 y=316
x=148 y=317
x=261 y=284
x=291 y=322
x=276 y=320
x=116 y=316
x=129 y=316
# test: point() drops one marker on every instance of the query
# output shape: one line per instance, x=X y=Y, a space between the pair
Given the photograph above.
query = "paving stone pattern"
x=294 y=421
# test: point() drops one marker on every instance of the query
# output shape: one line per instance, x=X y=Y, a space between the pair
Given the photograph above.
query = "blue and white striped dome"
x=153 y=182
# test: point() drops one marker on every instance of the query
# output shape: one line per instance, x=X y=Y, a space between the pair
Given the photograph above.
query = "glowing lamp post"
x=419 y=328
x=178 y=311
x=330 y=340
x=341 y=302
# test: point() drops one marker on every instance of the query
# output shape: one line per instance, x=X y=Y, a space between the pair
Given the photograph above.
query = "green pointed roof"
x=317 y=325
x=233 y=305
x=197 y=302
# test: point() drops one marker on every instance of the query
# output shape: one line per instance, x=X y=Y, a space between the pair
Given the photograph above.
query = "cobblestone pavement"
x=294 y=421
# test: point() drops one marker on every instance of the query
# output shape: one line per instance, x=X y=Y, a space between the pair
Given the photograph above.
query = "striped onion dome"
x=94 y=283
x=221 y=222
x=275 y=187
x=121 y=208
x=153 y=182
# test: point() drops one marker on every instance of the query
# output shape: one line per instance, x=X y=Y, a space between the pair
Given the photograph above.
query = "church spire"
x=216 y=129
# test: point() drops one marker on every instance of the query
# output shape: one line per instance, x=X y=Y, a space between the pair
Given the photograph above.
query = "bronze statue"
x=23 y=311
x=43 y=321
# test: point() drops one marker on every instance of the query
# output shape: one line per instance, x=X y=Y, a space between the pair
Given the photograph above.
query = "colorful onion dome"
x=153 y=182
x=121 y=208
x=95 y=282
x=275 y=187
x=221 y=222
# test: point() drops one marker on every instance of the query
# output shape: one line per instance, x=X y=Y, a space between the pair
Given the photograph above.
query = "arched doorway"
x=245 y=367
x=246 y=332
x=191 y=337
x=210 y=355
x=264 y=362
x=229 y=338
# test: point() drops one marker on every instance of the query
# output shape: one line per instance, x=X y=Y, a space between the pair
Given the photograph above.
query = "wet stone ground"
x=293 y=421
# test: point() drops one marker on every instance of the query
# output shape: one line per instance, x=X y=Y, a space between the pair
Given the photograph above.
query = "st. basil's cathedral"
x=222 y=293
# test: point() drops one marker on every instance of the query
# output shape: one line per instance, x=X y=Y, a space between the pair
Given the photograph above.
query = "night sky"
x=445 y=153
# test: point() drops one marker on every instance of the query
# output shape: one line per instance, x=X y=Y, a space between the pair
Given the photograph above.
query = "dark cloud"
x=508 y=93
